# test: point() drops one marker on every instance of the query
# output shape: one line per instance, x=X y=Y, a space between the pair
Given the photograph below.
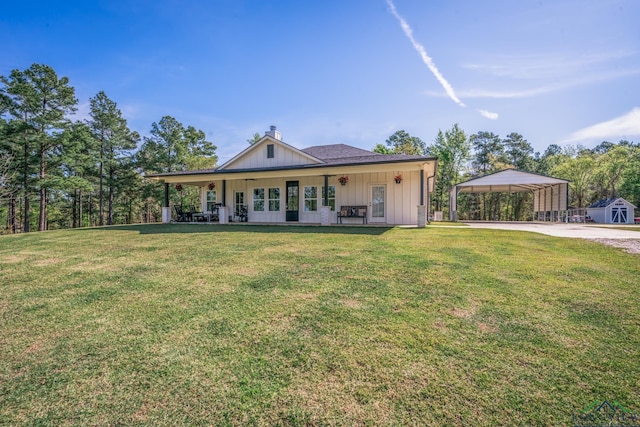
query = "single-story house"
x=615 y=210
x=274 y=182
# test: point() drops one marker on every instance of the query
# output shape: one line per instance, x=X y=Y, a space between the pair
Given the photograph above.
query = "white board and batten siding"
x=400 y=207
x=401 y=200
x=257 y=156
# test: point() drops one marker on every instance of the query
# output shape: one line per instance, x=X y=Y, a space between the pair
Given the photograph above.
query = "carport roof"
x=510 y=180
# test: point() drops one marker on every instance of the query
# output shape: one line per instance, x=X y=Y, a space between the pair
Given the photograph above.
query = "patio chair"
x=181 y=215
x=241 y=214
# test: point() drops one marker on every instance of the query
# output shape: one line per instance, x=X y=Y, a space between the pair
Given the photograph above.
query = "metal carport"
x=550 y=195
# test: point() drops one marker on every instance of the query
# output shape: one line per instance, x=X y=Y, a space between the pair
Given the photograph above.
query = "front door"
x=293 y=200
x=239 y=207
x=377 y=204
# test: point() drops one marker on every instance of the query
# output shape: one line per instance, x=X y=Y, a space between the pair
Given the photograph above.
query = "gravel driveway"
x=627 y=239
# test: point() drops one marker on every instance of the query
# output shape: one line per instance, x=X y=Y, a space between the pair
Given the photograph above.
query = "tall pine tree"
x=115 y=145
x=39 y=101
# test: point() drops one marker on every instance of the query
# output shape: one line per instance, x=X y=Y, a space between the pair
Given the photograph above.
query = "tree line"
x=59 y=173
x=606 y=171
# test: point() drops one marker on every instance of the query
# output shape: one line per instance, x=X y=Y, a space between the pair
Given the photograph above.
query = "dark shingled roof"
x=345 y=154
x=336 y=151
x=603 y=203
x=330 y=155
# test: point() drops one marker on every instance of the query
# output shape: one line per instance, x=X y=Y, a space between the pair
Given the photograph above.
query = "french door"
x=293 y=200
x=377 y=203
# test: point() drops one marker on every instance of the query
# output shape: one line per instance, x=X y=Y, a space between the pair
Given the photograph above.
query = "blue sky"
x=345 y=71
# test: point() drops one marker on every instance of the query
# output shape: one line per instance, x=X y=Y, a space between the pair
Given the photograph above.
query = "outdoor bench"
x=353 y=212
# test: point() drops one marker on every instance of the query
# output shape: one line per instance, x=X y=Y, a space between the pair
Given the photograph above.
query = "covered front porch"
x=394 y=194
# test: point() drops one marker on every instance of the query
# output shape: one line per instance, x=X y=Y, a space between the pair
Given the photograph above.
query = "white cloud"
x=537 y=66
x=555 y=87
x=488 y=114
x=82 y=112
x=623 y=127
x=130 y=111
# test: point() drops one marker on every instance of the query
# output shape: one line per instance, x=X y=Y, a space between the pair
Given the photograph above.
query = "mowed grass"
x=257 y=325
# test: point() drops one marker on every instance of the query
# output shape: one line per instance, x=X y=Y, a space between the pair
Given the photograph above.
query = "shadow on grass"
x=243 y=228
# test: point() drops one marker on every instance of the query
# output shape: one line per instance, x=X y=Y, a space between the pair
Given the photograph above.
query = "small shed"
x=615 y=210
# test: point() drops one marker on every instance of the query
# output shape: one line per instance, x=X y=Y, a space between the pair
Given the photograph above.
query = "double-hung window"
x=274 y=199
x=310 y=199
x=331 y=198
x=258 y=199
x=212 y=198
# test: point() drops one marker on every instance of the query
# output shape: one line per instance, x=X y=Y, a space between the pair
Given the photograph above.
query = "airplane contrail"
x=429 y=62
x=423 y=54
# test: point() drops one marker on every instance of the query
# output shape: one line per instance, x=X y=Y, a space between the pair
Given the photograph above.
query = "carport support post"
x=166 y=209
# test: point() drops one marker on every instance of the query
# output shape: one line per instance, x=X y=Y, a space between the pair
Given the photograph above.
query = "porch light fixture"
x=343 y=180
x=212 y=185
x=178 y=187
x=398 y=179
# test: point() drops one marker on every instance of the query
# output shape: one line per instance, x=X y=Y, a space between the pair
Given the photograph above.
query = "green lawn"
x=236 y=325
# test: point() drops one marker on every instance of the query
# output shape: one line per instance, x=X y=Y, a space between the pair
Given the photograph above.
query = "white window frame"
x=313 y=200
x=275 y=200
x=257 y=200
x=211 y=201
x=329 y=199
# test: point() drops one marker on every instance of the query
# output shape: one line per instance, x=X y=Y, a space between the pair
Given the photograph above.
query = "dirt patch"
x=461 y=313
x=486 y=328
x=47 y=261
x=629 y=245
x=351 y=303
x=13 y=259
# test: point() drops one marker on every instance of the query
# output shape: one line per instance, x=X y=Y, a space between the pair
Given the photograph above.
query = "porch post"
x=421 y=186
x=428 y=201
x=223 y=212
x=325 y=209
x=325 y=193
x=223 y=215
x=422 y=216
x=224 y=192
x=166 y=209
x=422 y=209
